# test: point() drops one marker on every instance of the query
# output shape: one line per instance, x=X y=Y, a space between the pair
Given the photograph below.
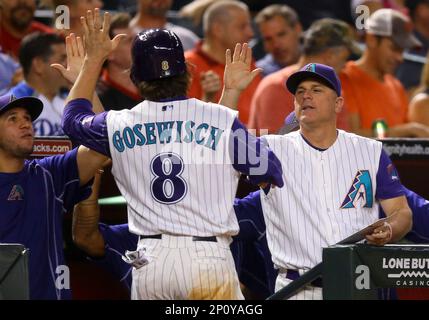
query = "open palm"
x=97 y=41
x=237 y=74
x=75 y=57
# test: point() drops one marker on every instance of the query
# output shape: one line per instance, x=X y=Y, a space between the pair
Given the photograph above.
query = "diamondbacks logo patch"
x=17 y=193
x=360 y=192
x=311 y=67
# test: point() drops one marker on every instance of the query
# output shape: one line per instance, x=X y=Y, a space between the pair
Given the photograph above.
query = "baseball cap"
x=393 y=24
x=328 y=33
x=323 y=73
x=33 y=105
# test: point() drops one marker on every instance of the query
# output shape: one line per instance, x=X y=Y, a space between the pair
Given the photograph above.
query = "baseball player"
x=107 y=245
x=175 y=160
x=249 y=248
x=35 y=194
x=335 y=182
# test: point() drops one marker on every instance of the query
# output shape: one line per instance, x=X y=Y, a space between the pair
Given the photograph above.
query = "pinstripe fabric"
x=307 y=293
x=206 y=183
x=306 y=215
x=180 y=268
x=206 y=208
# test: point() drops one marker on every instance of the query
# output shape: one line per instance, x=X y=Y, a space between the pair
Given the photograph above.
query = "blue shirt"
x=268 y=65
x=8 y=68
x=117 y=240
x=32 y=203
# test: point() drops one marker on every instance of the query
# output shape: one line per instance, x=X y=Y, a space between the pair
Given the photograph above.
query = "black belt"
x=194 y=238
x=294 y=274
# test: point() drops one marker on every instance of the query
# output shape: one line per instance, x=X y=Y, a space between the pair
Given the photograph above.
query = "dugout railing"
x=360 y=271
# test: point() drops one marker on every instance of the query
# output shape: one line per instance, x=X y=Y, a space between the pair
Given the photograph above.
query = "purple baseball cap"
x=33 y=105
x=317 y=71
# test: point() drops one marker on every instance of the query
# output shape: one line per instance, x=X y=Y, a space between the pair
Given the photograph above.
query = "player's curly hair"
x=165 y=88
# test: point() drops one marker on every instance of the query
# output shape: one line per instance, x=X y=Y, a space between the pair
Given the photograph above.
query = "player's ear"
x=339 y=103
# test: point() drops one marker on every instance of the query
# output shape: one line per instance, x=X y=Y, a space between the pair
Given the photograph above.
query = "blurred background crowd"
x=384 y=74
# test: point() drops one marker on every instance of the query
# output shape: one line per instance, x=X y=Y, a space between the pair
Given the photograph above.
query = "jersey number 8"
x=168 y=187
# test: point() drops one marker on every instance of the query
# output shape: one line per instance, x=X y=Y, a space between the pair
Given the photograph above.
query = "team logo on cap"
x=311 y=67
x=12 y=98
x=164 y=65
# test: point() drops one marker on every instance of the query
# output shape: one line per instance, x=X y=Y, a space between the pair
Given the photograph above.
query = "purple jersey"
x=32 y=203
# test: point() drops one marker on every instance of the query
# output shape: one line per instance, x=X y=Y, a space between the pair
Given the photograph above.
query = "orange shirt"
x=200 y=62
x=272 y=103
x=373 y=99
x=10 y=44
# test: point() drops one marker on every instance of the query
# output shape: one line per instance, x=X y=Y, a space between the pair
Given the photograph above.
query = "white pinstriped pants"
x=182 y=269
x=307 y=293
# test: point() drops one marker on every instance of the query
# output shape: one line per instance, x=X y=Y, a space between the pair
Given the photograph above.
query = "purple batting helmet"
x=156 y=54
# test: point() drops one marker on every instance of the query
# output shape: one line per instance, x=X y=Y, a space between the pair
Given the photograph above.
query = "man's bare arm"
x=86 y=217
x=398 y=225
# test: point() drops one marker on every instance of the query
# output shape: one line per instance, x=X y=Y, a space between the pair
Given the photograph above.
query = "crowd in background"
x=382 y=78
x=381 y=61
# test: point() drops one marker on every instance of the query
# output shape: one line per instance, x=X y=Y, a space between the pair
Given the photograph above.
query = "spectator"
x=38 y=52
x=309 y=10
x=375 y=5
x=194 y=11
x=16 y=21
x=327 y=41
x=280 y=31
x=115 y=88
x=370 y=90
x=152 y=14
x=226 y=23
x=409 y=72
x=11 y=73
x=77 y=8
x=419 y=105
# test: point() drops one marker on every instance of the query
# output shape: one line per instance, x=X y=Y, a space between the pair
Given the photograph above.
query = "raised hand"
x=97 y=41
x=75 y=57
x=237 y=74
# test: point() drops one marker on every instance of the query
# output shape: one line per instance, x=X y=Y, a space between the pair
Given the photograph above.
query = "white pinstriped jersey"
x=327 y=196
x=181 y=181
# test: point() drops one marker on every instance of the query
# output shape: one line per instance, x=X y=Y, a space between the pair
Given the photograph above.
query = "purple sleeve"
x=420 y=208
x=85 y=127
x=388 y=183
x=250 y=217
x=252 y=157
x=65 y=178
